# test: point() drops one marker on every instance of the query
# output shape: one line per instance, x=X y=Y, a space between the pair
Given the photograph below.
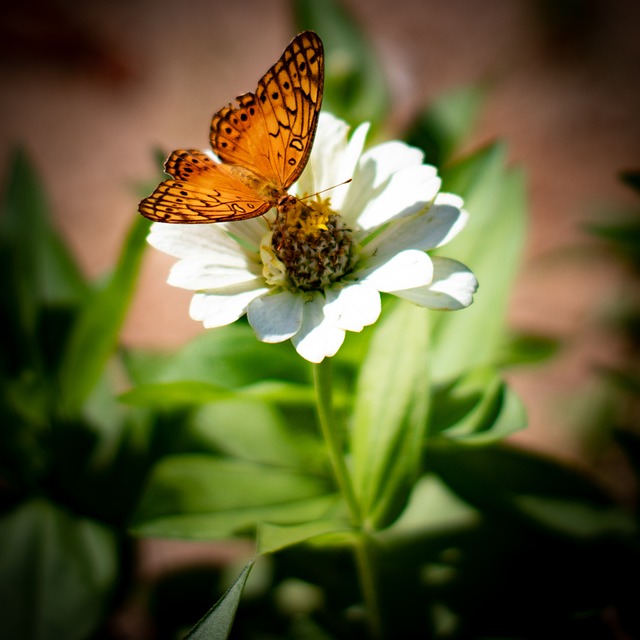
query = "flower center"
x=311 y=247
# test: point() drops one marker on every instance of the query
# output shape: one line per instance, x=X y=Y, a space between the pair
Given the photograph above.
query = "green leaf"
x=272 y=537
x=219 y=525
x=95 y=334
x=579 y=519
x=229 y=357
x=355 y=87
x=518 y=349
x=631 y=179
x=433 y=507
x=199 y=496
x=623 y=235
x=630 y=444
x=41 y=285
x=173 y=395
x=478 y=408
x=58 y=573
x=286 y=393
x=500 y=471
x=37 y=272
x=491 y=245
x=217 y=622
x=255 y=431
x=506 y=481
x=447 y=123
x=44 y=266
x=390 y=413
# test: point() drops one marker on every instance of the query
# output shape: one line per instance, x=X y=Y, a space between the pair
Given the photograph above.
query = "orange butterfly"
x=263 y=144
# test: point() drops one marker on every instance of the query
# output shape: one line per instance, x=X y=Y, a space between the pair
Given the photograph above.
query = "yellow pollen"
x=316 y=218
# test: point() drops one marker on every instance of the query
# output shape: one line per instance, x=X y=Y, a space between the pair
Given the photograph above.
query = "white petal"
x=209 y=152
x=450 y=199
x=249 y=231
x=330 y=140
x=318 y=338
x=347 y=167
x=333 y=159
x=452 y=287
x=276 y=317
x=195 y=275
x=405 y=270
x=391 y=157
x=407 y=192
x=217 y=310
x=195 y=241
x=424 y=231
x=373 y=171
x=353 y=307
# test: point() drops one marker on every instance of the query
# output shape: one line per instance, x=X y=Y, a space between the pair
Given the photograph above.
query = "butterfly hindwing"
x=271 y=132
x=193 y=166
x=202 y=191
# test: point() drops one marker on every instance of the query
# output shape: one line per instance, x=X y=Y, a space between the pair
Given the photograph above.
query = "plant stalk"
x=331 y=435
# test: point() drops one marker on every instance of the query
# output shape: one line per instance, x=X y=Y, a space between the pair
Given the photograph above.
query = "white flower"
x=376 y=229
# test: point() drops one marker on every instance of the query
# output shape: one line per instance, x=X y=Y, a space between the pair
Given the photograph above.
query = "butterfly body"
x=263 y=144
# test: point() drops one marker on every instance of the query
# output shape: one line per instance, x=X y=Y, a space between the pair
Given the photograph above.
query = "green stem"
x=363 y=546
x=366 y=572
x=330 y=432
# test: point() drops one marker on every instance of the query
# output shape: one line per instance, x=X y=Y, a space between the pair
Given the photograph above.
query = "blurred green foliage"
x=72 y=459
x=355 y=87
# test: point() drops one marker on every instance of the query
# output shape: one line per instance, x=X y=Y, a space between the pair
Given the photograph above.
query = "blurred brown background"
x=92 y=88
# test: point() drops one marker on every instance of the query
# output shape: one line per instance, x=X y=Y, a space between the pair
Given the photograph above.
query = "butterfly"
x=263 y=143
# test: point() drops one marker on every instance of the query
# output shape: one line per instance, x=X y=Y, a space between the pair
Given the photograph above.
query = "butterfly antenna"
x=317 y=193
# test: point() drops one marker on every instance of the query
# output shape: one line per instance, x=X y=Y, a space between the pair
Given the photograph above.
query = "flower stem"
x=366 y=572
x=363 y=545
x=326 y=416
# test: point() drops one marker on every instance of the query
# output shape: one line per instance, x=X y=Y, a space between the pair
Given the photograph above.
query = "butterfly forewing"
x=271 y=132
